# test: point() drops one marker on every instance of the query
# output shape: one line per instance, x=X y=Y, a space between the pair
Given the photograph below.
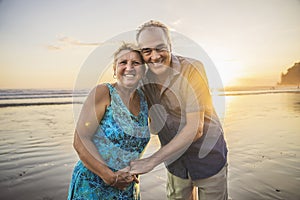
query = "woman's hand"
x=123 y=179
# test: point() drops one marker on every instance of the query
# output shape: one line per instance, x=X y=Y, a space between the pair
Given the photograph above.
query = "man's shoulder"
x=186 y=59
x=190 y=65
x=187 y=62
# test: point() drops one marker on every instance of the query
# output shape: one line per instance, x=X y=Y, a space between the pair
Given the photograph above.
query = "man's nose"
x=155 y=55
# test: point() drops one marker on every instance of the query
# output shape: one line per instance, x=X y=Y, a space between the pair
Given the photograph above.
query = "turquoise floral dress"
x=120 y=138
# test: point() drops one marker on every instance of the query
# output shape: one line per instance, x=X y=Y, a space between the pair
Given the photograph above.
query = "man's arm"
x=175 y=148
x=197 y=101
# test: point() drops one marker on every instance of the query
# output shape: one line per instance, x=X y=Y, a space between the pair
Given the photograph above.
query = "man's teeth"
x=129 y=75
x=157 y=63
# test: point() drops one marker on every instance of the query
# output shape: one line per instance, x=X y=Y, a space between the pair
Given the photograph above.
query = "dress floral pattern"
x=120 y=138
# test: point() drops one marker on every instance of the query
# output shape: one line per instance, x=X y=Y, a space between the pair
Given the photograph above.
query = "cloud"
x=74 y=42
x=64 y=42
x=177 y=22
x=53 y=47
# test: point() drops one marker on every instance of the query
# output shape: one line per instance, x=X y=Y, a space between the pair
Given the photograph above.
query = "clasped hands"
x=127 y=175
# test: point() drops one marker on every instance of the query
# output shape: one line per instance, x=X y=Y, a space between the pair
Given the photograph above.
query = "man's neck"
x=161 y=79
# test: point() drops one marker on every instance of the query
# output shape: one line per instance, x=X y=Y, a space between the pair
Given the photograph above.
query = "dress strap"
x=143 y=101
x=110 y=87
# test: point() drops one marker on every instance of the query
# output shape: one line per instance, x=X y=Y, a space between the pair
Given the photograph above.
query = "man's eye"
x=162 y=48
x=146 y=51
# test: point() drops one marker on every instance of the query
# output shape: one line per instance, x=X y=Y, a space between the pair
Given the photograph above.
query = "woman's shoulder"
x=103 y=87
x=101 y=93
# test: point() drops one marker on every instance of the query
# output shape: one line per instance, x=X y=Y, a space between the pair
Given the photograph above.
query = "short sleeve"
x=198 y=96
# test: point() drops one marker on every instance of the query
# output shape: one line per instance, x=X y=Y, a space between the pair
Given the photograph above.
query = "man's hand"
x=141 y=166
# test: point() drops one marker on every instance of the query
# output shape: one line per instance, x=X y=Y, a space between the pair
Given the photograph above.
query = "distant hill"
x=292 y=77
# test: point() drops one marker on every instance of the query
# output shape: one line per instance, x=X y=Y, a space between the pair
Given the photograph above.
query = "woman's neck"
x=129 y=98
x=126 y=92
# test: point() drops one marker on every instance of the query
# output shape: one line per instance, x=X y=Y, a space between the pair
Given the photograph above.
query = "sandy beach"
x=261 y=130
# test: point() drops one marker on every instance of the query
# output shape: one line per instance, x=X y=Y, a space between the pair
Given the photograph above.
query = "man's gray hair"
x=157 y=24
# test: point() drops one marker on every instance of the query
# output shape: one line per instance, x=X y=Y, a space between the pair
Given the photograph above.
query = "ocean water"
x=262 y=129
x=263 y=136
x=36 y=154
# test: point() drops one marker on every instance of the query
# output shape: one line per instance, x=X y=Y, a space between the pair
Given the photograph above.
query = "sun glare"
x=229 y=72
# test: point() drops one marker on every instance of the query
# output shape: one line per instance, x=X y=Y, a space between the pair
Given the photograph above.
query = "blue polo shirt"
x=184 y=91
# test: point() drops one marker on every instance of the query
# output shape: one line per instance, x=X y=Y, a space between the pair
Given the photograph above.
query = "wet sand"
x=262 y=133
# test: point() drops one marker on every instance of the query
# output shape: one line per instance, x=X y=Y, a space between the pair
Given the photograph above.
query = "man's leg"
x=213 y=188
x=180 y=189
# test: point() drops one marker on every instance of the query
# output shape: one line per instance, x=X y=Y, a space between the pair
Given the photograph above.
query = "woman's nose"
x=129 y=65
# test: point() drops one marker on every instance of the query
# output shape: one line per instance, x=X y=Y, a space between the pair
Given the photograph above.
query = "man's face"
x=155 y=49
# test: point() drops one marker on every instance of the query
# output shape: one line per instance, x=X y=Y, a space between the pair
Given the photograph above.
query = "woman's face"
x=129 y=68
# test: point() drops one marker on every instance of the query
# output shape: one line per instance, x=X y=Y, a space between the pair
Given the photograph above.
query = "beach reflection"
x=262 y=133
x=293 y=102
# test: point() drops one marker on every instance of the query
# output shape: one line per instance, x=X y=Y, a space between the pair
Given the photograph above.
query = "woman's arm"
x=91 y=114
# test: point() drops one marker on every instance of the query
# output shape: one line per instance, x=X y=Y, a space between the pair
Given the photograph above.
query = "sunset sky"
x=43 y=44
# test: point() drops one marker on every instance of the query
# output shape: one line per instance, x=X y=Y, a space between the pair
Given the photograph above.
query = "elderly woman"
x=112 y=130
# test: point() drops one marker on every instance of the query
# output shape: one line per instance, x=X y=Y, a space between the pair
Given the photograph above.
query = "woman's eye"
x=122 y=63
x=136 y=63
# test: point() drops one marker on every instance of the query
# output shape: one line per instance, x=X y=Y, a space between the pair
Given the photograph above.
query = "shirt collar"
x=175 y=64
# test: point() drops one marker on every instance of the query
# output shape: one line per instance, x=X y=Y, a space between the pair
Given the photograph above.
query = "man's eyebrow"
x=159 y=45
